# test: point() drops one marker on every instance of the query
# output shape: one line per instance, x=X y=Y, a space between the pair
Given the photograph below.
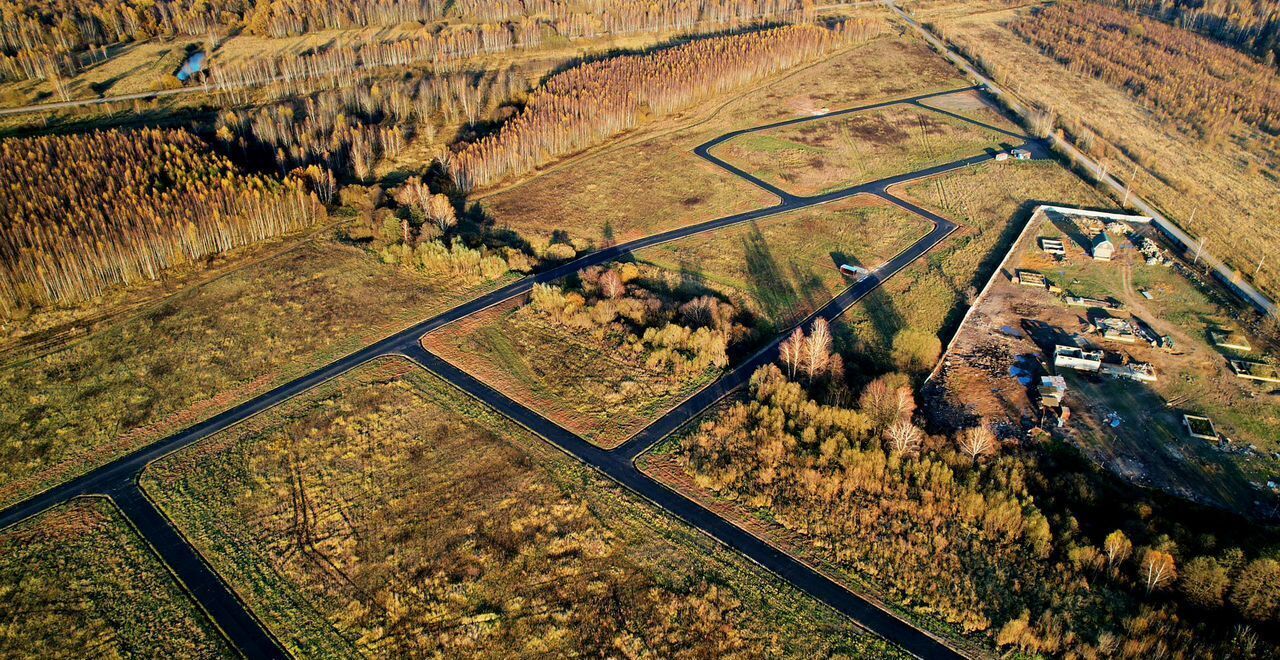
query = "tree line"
x=988 y=537
x=593 y=101
x=1250 y=25
x=85 y=212
x=1202 y=86
x=53 y=39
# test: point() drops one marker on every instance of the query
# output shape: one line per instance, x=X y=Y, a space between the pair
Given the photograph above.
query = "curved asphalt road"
x=119 y=478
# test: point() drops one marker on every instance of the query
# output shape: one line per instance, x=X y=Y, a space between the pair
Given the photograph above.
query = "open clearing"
x=820 y=156
x=77 y=581
x=1016 y=324
x=198 y=352
x=786 y=266
x=973 y=105
x=385 y=513
x=652 y=181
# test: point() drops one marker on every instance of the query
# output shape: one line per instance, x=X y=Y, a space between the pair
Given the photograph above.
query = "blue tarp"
x=192 y=66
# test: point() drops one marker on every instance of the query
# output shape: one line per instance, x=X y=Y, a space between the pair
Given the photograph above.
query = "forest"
x=84 y=212
x=1200 y=85
x=588 y=103
x=1000 y=540
x=57 y=38
x=1250 y=25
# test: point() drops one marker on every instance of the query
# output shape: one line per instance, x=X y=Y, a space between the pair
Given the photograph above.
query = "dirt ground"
x=1133 y=428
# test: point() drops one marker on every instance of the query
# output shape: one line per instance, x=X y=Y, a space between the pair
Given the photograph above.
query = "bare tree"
x=440 y=212
x=976 y=441
x=817 y=350
x=611 y=284
x=903 y=437
x=791 y=350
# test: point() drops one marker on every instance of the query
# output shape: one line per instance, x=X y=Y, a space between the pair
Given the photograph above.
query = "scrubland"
x=197 y=352
x=1216 y=185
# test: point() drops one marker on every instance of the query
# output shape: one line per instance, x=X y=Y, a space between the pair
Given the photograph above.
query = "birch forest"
x=58 y=38
x=591 y=102
x=81 y=213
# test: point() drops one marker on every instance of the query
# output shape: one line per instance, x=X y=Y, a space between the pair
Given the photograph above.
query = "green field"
x=385 y=513
x=76 y=581
x=828 y=154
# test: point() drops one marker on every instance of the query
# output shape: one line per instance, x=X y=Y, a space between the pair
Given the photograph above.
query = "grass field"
x=820 y=156
x=387 y=514
x=787 y=266
x=991 y=201
x=77 y=581
x=1213 y=189
x=198 y=352
x=650 y=181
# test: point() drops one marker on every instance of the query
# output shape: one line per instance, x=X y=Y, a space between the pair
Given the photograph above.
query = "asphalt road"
x=119 y=478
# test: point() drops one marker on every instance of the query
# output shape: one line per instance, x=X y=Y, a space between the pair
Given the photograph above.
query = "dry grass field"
x=77 y=581
x=991 y=201
x=650 y=181
x=816 y=157
x=787 y=266
x=975 y=106
x=387 y=514
x=1220 y=189
x=150 y=373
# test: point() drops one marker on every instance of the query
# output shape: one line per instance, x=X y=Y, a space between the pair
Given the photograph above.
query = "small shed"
x=1103 y=248
x=1071 y=357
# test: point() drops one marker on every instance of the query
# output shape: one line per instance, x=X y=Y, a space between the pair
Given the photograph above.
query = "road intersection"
x=119 y=479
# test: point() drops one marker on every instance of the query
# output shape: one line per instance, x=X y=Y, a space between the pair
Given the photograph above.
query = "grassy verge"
x=79 y=582
x=387 y=513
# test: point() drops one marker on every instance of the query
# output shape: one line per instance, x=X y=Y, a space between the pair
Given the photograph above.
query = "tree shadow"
x=777 y=298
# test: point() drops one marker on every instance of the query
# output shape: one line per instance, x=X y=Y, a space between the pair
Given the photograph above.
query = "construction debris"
x=1200 y=427
x=1030 y=278
x=1223 y=338
x=1053 y=246
x=1255 y=370
x=1073 y=357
